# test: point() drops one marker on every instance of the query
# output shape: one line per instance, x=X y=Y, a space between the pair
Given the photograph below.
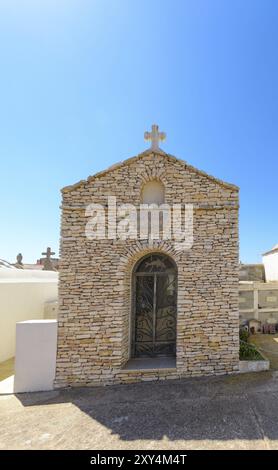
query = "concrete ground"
x=231 y=412
x=268 y=345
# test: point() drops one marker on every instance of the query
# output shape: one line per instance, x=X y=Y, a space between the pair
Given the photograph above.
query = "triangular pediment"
x=132 y=160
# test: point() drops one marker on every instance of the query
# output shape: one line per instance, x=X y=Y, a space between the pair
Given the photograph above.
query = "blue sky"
x=81 y=80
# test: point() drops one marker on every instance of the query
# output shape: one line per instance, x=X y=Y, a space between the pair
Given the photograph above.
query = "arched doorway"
x=154 y=307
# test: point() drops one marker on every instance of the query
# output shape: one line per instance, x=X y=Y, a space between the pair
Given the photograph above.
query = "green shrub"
x=248 y=352
x=243 y=335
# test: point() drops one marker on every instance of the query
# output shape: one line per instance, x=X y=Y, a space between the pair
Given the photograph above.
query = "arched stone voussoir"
x=134 y=254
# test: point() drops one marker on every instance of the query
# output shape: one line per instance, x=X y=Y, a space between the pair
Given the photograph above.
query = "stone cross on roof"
x=47 y=263
x=48 y=253
x=155 y=136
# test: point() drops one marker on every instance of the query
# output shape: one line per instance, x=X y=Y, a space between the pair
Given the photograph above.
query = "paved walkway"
x=234 y=412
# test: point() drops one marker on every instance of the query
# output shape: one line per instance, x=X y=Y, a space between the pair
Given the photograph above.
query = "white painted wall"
x=270 y=262
x=22 y=297
x=35 y=359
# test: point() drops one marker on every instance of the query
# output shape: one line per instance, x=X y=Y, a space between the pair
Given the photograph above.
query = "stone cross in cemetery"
x=155 y=136
x=47 y=262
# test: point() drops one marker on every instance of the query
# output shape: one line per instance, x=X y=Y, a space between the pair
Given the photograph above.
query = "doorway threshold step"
x=151 y=363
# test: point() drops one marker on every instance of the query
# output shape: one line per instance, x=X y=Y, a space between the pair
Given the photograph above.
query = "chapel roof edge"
x=130 y=160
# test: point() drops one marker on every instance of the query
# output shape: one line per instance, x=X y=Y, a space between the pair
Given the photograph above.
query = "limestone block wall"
x=95 y=289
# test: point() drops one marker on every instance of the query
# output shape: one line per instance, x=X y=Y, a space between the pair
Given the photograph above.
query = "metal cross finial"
x=155 y=136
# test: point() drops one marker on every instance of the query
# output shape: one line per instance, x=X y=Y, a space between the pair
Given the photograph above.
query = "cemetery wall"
x=22 y=297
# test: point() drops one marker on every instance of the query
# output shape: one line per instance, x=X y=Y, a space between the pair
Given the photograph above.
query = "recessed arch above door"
x=153 y=192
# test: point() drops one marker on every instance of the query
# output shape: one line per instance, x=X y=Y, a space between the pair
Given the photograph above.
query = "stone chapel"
x=135 y=309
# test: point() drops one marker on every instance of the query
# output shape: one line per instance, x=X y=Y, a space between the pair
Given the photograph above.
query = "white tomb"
x=35 y=359
x=270 y=261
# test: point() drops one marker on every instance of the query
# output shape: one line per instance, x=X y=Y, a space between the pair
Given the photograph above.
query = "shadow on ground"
x=225 y=412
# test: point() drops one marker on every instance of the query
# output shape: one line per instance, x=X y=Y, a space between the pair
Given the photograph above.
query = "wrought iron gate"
x=155 y=307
